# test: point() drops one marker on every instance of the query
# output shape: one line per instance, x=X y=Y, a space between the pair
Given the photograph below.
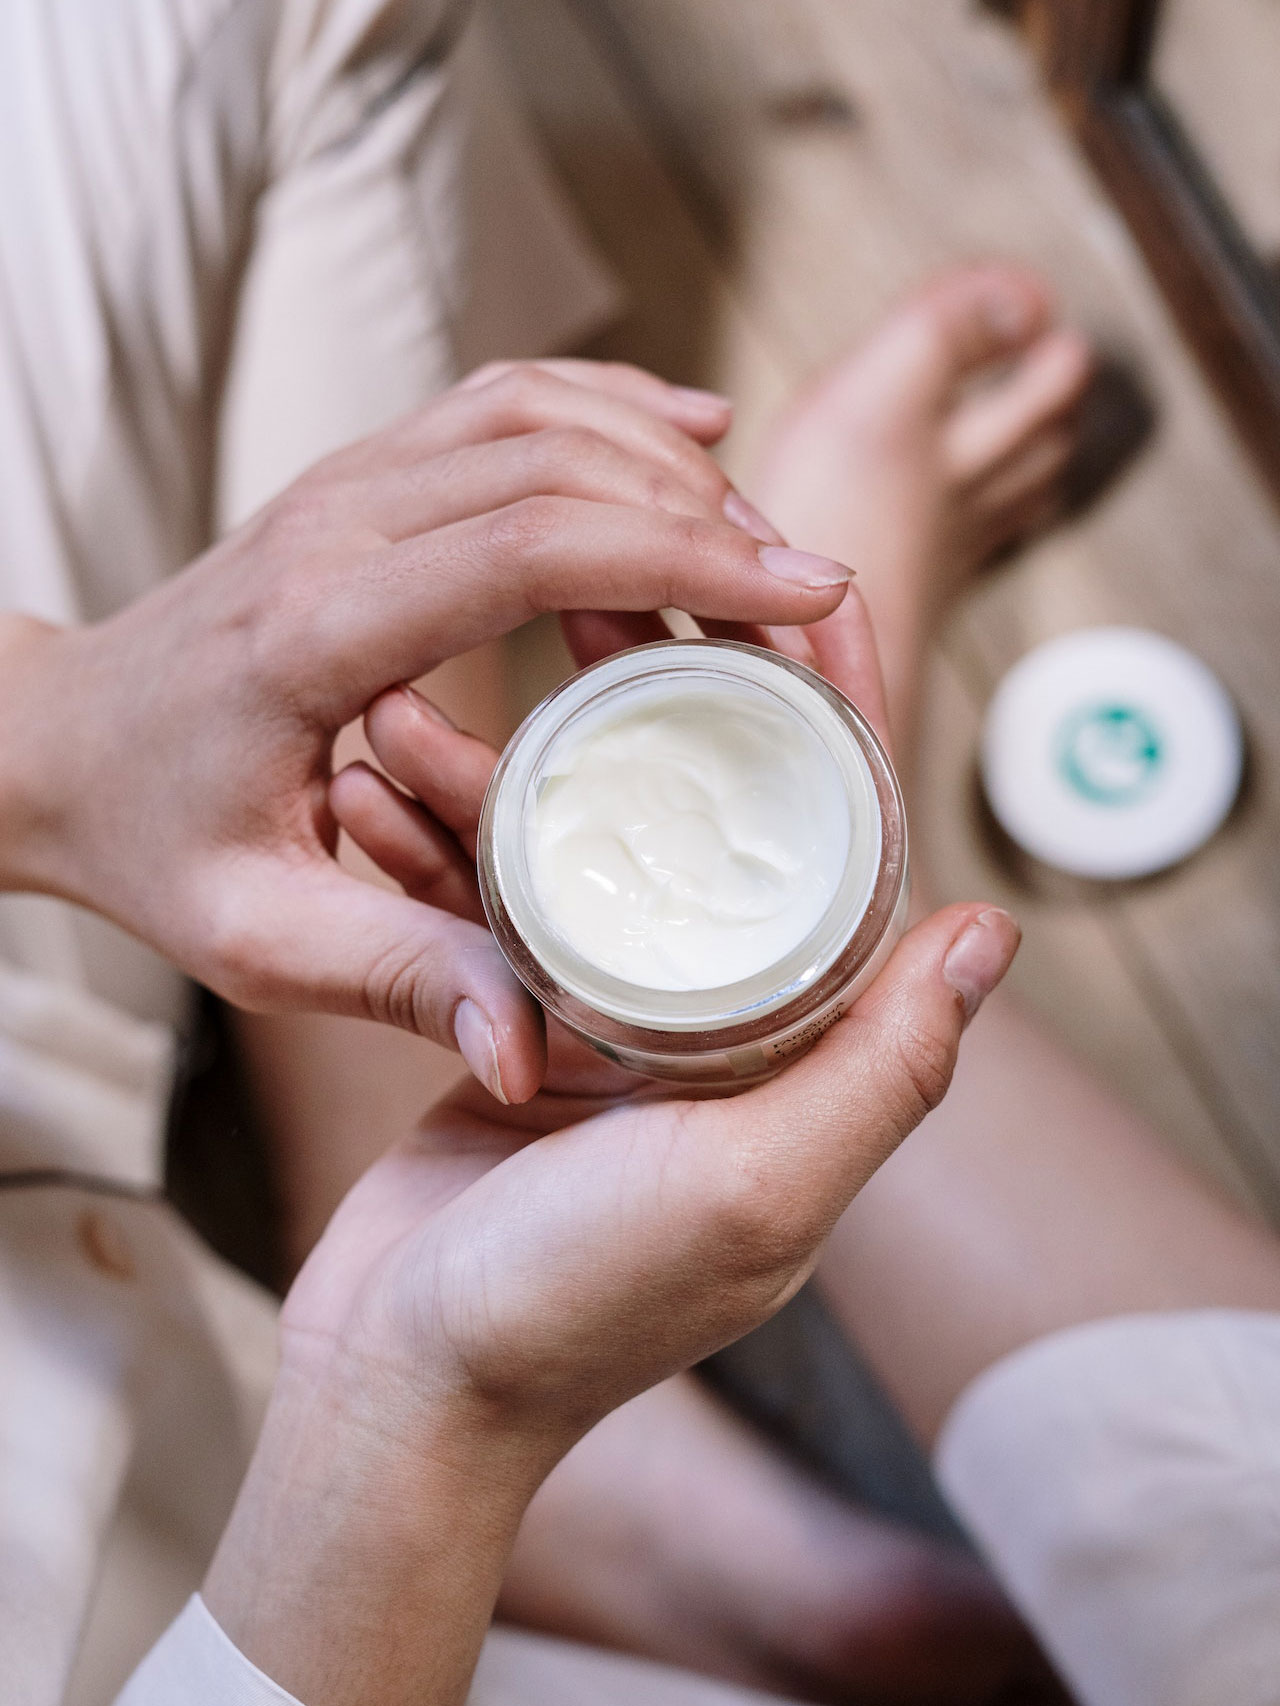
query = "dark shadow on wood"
x=1117 y=422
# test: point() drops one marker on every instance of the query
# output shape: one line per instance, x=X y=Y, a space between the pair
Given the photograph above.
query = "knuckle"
x=520 y=530
x=303 y=513
x=394 y=993
x=236 y=953
x=662 y=491
x=693 y=540
x=575 y=447
x=751 y=1228
x=281 y=639
x=925 y=1060
x=488 y=371
x=517 y=392
x=699 y=470
x=705 y=552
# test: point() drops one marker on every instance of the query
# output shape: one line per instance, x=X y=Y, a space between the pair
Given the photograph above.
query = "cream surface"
x=690 y=840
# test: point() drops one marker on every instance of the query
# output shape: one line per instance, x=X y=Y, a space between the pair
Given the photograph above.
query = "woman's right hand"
x=170 y=767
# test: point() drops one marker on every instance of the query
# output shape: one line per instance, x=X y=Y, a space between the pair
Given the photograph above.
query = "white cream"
x=691 y=838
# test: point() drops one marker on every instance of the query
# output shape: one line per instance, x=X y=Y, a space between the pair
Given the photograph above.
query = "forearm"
x=34 y=690
x=364 y=1556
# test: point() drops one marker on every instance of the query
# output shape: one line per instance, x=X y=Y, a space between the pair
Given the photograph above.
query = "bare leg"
x=673 y=1530
x=1032 y=1199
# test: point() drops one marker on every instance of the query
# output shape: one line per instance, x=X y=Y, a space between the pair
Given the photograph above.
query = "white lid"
x=1111 y=752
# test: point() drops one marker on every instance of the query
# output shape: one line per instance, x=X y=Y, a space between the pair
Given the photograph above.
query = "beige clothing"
x=233 y=234
x=1124 y=1480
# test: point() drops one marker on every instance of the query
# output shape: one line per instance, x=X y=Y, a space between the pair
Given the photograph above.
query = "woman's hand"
x=170 y=767
x=560 y=1276
x=497 y=1283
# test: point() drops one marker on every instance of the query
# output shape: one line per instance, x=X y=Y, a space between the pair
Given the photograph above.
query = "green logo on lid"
x=1110 y=754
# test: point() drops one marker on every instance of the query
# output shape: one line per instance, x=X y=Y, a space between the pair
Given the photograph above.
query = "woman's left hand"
x=506 y=1276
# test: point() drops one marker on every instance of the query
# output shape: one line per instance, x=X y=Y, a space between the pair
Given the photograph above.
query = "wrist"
x=367 y=1547
x=34 y=828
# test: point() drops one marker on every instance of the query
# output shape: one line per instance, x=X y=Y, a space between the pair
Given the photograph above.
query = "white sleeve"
x=195 y=1664
x=1123 y=1479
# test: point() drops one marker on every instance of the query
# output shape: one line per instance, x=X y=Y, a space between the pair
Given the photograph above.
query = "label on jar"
x=733 y=1066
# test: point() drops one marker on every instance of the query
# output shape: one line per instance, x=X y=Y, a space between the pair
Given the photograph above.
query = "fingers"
x=339 y=945
x=593 y=635
x=526 y=399
x=563 y=461
x=704 y=415
x=444 y=768
x=663 y=427
x=811 y=1138
x=356 y=629
x=405 y=841
x=841 y=647
x=844 y=650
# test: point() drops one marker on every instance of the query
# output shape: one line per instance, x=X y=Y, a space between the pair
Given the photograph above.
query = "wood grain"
x=795 y=166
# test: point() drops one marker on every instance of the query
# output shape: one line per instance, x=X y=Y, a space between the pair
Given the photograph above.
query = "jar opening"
x=862 y=821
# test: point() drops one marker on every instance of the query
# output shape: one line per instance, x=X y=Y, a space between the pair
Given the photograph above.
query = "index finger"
x=400 y=611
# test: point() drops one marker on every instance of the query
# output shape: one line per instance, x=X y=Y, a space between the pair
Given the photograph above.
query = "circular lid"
x=1111 y=752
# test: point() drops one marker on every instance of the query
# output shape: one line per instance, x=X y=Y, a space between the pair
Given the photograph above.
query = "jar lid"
x=1111 y=752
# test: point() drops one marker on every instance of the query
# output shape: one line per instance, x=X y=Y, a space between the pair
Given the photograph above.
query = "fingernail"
x=477 y=1047
x=980 y=956
x=749 y=519
x=423 y=704
x=705 y=402
x=802 y=568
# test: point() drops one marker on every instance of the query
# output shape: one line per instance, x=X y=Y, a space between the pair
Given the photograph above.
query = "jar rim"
x=847 y=934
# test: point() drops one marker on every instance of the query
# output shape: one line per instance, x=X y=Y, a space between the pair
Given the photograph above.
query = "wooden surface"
x=1217 y=62
x=1159 y=155
x=766 y=175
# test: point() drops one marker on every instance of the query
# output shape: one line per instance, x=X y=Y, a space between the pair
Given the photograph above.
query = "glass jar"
x=732 y=1033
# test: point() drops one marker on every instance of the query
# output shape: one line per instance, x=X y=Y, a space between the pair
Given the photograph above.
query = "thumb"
x=340 y=945
x=827 y=1123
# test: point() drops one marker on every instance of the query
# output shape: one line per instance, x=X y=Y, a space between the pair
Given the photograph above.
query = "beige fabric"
x=1123 y=1479
x=81 y=1081
x=131 y=1360
x=233 y=234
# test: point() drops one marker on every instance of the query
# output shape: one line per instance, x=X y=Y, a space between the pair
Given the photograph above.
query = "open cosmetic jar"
x=694 y=855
